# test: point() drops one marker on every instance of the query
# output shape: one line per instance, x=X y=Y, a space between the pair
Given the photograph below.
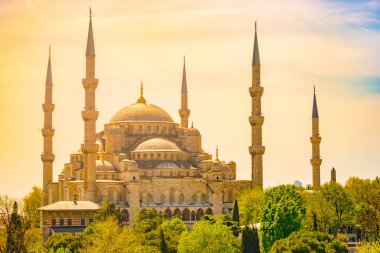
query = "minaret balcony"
x=256 y=91
x=315 y=140
x=316 y=161
x=256 y=120
x=257 y=150
x=48 y=158
x=88 y=83
x=48 y=107
x=47 y=132
x=89 y=148
x=90 y=115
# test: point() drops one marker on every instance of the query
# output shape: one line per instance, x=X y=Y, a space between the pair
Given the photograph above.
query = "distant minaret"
x=47 y=156
x=90 y=115
x=184 y=112
x=315 y=141
x=333 y=175
x=256 y=119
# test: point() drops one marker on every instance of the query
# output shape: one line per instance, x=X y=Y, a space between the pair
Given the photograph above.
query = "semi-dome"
x=141 y=112
x=192 y=132
x=157 y=144
x=104 y=166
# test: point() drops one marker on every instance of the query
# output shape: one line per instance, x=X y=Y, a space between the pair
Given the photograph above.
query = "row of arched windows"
x=157 y=156
x=151 y=129
x=185 y=214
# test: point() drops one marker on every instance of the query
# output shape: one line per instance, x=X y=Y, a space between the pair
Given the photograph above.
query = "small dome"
x=104 y=166
x=192 y=132
x=157 y=144
x=166 y=165
x=142 y=112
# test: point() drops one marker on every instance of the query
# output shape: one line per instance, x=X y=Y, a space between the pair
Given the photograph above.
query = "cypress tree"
x=164 y=247
x=15 y=233
x=255 y=241
x=250 y=241
x=235 y=213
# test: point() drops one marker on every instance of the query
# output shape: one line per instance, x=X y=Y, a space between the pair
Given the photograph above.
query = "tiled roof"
x=70 y=205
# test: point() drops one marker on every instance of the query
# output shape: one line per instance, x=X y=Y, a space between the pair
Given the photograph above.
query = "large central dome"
x=142 y=112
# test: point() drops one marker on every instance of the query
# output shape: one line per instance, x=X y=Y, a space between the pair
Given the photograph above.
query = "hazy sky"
x=332 y=44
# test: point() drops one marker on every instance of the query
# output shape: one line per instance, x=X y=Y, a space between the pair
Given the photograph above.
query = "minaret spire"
x=184 y=112
x=256 y=119
x=47 y=156
x=90 y=115
x=315 y=142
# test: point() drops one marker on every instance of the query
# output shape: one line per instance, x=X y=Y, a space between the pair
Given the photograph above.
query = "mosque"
x=143 y=159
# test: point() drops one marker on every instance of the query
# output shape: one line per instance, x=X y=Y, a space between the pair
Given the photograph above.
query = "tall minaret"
x=315 y=142
x=184 y=112
x=333 y=175
x=256 y=119
x=47 y=156
x=90 y=115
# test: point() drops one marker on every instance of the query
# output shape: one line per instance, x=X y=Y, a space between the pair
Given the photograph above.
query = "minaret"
x=47 y=156
x=333 y=175
x=315 y=142
x=184 y=112
x=256 y=119
x=90 y=115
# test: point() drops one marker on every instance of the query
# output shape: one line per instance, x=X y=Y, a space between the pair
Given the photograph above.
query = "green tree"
x=108 y=236
x=164 y=247
x=15 y=232
x=147 y=227
x=209 y=237
x=235 y=213
x=319 y=212
x=64 y=242
x=281 y=211
x=342 y=203
x=250 y=240
x=173 y=228
x=249 y=205
x=308 y=241
x=367 y=219
x=32 y=202
x=370 y=247
x=108 y=210
x=34 y=240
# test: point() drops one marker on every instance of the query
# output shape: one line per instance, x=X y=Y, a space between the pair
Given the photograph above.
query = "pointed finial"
x=192 y=124
x=141 y=99
x=90 y=13
x=184 y=59
x=255 y=25
x=314 y=88
x=49 y=50
x=217 y=153
x=256 y=54
x=315 y=107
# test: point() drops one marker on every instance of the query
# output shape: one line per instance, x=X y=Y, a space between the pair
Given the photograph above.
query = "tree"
x=34 y=240
x=235 y=213
x=319 y=212
x=207 y=237
x=65 y=242
x=250 y=240
x=367 y=219
x=370 y=247
x=32 y=202
x=249 y=211
x=109 y=210
x=164 y=247
x=172 y=229
x=15 y=232
x=308 y=241
x=147 y=227
x=281 y=211
x=108 y=236
x=343 y=206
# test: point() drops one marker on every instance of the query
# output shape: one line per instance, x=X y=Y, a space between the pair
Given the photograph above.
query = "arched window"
x=200 y=213
x=125 y=216
x=186 y=215
x=192 y=215
x=168 y=213
x=209 y=211
x=177 y=213
x=181 y=198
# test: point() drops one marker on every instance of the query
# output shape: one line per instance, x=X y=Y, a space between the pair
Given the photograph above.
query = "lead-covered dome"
x=157 y=144
x=141 y=112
